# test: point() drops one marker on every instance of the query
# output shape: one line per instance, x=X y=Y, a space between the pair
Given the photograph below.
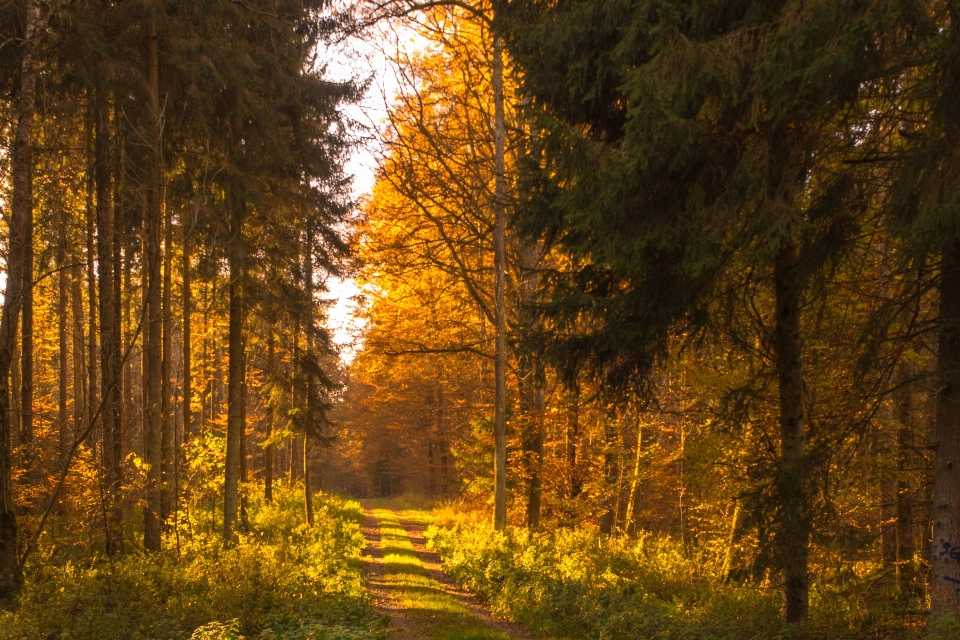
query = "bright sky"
x=364 y=60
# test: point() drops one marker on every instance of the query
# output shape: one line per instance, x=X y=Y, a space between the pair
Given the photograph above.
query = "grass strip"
x=437 y=614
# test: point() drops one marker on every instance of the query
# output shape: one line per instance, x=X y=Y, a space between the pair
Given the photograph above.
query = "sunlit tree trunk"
x=79 y=355
x=730 y=556
x=11 y=576
x=167 y=496
x=63 y=339
x=499 y=270
x=244 y=522
x=608 y=518
x=574 y=482
x=93 y=399
x=628 y=523
x=187 y=303
x=269 y=453
x=309 y=346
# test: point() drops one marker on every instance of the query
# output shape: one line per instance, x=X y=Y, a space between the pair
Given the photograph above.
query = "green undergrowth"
x=281 y=580
x=579 y=584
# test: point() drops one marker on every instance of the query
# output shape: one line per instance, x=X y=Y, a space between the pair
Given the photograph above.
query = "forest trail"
x=411 y=589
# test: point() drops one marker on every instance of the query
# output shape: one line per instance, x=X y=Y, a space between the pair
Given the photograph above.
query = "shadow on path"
x=411 y=589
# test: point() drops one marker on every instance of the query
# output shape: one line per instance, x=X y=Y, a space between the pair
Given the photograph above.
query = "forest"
x=657 y=331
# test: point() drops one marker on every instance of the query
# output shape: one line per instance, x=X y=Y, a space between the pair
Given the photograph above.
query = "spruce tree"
x=683 y=147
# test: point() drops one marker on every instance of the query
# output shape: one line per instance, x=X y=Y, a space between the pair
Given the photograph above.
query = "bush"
x=283 y=579
x=579 y=584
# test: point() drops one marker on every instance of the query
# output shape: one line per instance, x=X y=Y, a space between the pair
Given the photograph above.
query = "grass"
x=283 y=580
x=437 y=614
x=578 y=584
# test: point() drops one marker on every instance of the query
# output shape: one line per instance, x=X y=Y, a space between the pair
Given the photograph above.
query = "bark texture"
x=499 y=270
x=231 y=493
x=109 y=329
x=945 y=552
x=152 y=402
x=11 y=577
x=794 y=533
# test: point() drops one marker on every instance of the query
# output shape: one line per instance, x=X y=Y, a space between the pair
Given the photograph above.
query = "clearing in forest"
x=410 y=587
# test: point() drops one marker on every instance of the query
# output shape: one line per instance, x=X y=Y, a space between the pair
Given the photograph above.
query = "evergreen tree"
x=685 y=146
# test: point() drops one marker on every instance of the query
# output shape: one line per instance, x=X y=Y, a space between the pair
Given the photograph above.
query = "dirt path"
x=413 y=592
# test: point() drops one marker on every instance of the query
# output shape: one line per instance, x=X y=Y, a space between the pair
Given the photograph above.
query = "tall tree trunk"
x=187 y=334
x=608 y=518
x=310 y=354
x=167 y=496
x=63 y=340
x=530 y=383
x=231 y=495
x=269 y=453
x=109 y=331
x=307 y=489
x=794 y=526
x=152 y=343
x=93 y=399
x=628 y=523
x=26 y=342
x=79 y=355
x=572 y=445
x=499 y=270
x=128 y=421
x=11 y=577
x=244 y=460
x=945 y=554
x=730 y=556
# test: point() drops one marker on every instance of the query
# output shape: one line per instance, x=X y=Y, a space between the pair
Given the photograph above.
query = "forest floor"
x=410 y=588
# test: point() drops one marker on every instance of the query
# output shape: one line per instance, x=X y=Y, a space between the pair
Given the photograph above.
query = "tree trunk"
x=79 y=355
x=628 y=523
x=608 y=517
x=794 y=527
x=187 y=335
x=572 y=442
x=128 y=421
x=242 y=491
x=310 y=354
x=11 y=577
x=730 y=555
x=63 y=339
x=92 y=393
x=152 y=338
x=167 y=495
x=269 y=453
x=109 y=331
x=231 y=489
x=945 y=554
x=26 y=341
x=307 y=489
x=499 y=270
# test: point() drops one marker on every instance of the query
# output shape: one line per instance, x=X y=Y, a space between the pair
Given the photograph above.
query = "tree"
x=681 y=150
x=18 y=236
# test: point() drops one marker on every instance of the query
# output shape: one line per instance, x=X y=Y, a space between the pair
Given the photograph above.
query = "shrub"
x=282 y=579
x=580 y=584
